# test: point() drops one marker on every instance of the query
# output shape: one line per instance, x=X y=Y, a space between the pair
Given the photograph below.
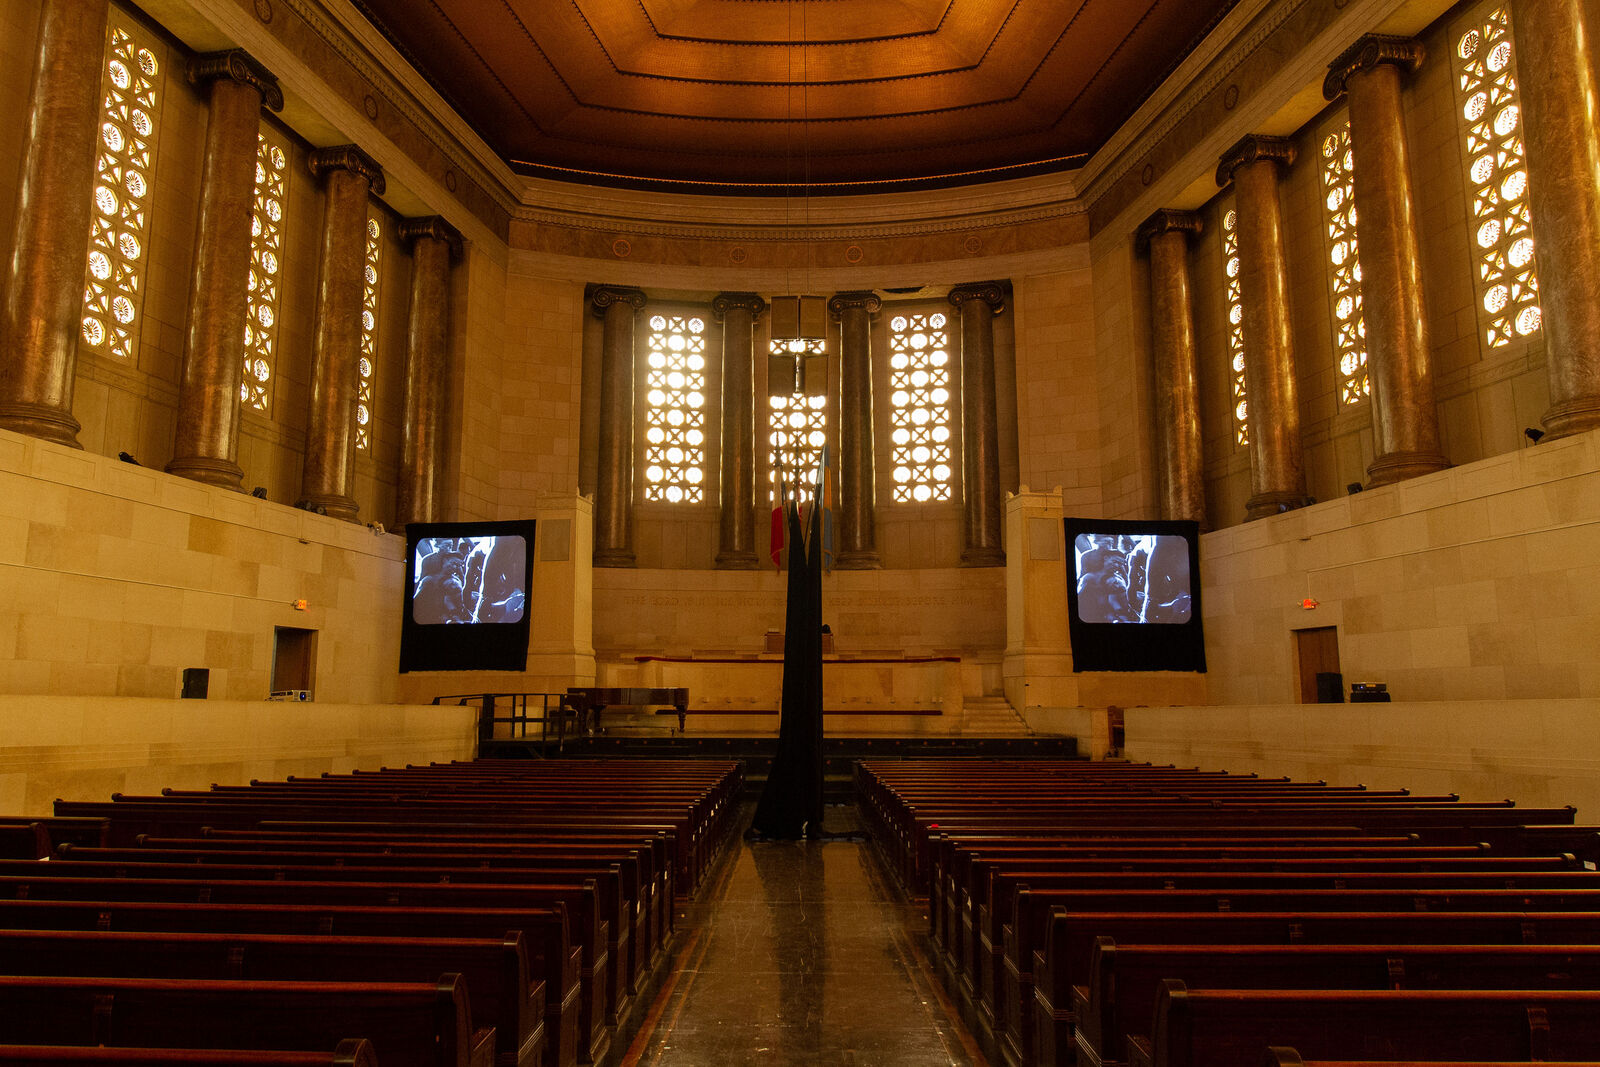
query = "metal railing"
x=513 y=710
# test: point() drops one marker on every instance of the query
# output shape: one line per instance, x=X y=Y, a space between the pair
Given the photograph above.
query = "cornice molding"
x=346 y=157
x=237 y=65
x=1407 y=53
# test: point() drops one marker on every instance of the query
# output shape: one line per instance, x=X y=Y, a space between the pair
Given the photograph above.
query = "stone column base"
x=983 y=557
x=330 y=504
x=41 y=420
x=212 y=470
x=1265 y=505
x=736 y=561
x=1572 y=416
x=857 y=561
x=1398 y=466
x=614 y=557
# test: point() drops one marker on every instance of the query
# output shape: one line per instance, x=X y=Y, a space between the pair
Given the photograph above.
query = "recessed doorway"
x=1317 y=652
x=294 y=655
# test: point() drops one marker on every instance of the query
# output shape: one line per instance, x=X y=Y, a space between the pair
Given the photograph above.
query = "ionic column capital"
x=726 y=302
x=601 y=297
x=1170 y=220
x=1254 y=148
x=865 y=300
x=235 y=64
x=414 y=229
x=1369 y=51
x=991 y=293
x=346 y=157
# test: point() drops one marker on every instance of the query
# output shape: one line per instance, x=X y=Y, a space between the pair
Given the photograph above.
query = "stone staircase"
x=991 y=716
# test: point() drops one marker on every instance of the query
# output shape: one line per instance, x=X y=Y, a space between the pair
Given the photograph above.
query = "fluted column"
x=349 y=177
x=737 y=516
x=1183 y=492
x=434 y=245
x=206 y=442
x=1277 y=470
x=613 y=505
x=857 y=546
x=1561 y=130
x=1405 y=418
x=44 y=279
x=982 y=542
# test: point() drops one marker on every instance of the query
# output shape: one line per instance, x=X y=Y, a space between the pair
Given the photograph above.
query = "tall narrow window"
x=1230 y=268
x=369 y=335
x=675 y=410
x=1349 y=325
x=1497 y=174
x=113 y=293
x=919 y=407
x=797 y=428
x=266 y=261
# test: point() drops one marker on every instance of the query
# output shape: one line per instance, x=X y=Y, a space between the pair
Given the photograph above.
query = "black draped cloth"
x=791 y=804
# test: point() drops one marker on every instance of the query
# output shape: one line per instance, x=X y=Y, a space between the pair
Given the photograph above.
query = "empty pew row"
x=541 y=893
x=1057 y=890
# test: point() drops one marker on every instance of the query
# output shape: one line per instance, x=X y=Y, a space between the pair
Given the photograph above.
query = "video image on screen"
x=1141 y=578
x=469 y=580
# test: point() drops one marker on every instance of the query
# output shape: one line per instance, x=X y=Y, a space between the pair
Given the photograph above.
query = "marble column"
x=1277 y=469
x=983 y=539
x=349 y=177
x=1180 y=462
x=55 y=203
x=1405 y=417
x=613 y=505
x=206 y=443
x=857 y=540
x=434 y=245
x=1561 y=131
x=737 y=515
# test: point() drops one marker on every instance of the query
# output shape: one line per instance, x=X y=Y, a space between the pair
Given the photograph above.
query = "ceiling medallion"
x=621 y=248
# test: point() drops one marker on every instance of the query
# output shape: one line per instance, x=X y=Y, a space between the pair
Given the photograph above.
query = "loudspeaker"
x=1330 y=687
x=196 y=680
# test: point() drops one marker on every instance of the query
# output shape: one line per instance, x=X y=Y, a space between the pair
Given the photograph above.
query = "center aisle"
x=804 y=954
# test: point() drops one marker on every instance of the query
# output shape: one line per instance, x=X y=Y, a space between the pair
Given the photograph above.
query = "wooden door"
x=1317 y=651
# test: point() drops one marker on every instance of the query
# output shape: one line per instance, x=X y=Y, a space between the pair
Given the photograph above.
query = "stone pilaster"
x=1277 y=468
x=206 y=441
x=613 y=505
x=857 y=544
x=983 y=536
x=349 y=177
x=1180 y=462
x=1405 y=419
x=1561 y=131
x=43 y=284
x=737 y=515
x=435 y=244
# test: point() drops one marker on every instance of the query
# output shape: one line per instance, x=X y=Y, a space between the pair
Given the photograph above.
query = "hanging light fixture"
x=799 y=365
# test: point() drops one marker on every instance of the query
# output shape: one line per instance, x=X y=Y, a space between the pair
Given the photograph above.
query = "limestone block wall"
x=1536 y=752
x=1477 y=583
x=114 y=578
x=86 y=748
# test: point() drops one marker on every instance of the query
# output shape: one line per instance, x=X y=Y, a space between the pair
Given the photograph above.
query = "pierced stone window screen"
x=1349 y=324
x=266 y=262
x=920 y=470
x=675 y=409
x=797 y=428
x=113 y=293
x=1230 y=270
x=369 y=334
x=1497 y=175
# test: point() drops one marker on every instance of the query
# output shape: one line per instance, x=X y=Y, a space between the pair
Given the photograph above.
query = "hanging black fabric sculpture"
x=791 y=804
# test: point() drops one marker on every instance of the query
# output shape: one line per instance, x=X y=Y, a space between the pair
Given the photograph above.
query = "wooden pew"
x=1123 y=980
x=426 y=1024
x=1288 y=1057
x=499 y=986
x=351 y=1052
x=1216 y=1027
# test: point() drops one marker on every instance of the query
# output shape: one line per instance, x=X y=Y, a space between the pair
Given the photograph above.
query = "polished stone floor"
x=802 y=953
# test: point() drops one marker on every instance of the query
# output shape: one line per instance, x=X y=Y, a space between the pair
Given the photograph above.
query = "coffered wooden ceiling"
x=763 y=96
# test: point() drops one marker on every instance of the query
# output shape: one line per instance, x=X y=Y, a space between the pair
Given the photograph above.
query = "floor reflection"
x=801 y=953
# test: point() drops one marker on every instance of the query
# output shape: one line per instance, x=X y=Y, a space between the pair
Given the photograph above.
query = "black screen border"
x=1108 y=646
x=483 y=646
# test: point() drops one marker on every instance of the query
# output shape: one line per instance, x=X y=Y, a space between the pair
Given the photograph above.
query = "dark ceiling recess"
x=776 y=96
